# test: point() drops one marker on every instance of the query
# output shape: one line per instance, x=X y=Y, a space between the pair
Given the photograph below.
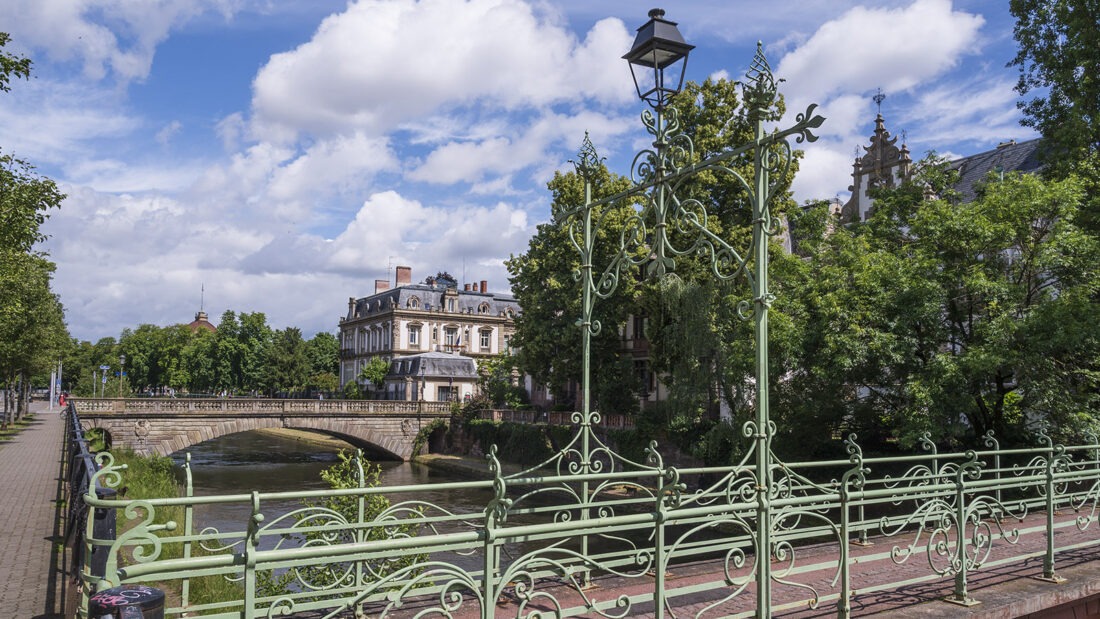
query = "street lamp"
x=121 y=372
x=668 y=224
x=658 y=60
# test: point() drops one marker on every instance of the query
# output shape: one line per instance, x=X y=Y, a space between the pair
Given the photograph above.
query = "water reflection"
x=241 y=463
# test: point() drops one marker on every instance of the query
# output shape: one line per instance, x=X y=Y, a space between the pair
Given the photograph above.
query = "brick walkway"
x=31 y=586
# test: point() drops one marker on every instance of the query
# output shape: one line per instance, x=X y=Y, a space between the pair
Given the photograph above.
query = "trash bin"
x=127 y=602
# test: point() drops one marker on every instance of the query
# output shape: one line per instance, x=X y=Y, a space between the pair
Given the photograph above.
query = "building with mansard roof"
x=434 y=316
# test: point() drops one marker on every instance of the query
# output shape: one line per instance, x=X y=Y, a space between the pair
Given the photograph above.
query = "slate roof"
x=1010 y=157
x=435 y=364
x=431 y=298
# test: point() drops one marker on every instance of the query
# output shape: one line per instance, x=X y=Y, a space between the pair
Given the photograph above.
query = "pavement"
x=31 y=583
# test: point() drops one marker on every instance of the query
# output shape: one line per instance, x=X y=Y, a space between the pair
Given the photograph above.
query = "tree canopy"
x=1059 y=61
x=32 y=320
x=945 y=317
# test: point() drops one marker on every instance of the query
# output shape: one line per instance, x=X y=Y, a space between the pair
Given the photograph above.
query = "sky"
x=278 y=156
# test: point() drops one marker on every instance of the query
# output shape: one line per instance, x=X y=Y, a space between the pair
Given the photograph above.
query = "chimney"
x=404 y=276
x=466 y=287
x=381 y=285
x=485 y=285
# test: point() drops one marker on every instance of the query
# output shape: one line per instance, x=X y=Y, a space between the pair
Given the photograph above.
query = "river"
x=240 y=463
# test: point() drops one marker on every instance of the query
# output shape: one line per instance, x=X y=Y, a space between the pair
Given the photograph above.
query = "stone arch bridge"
x=165 y=426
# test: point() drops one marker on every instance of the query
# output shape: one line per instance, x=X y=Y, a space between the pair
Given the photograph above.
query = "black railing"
x=80 y=468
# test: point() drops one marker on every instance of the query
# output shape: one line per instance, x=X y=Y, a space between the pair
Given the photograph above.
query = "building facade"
x=434 y=316
x=432 y=376
x=883 y=164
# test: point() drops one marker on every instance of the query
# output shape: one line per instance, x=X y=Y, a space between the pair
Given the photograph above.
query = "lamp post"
x=121 y=372
x=657 y=61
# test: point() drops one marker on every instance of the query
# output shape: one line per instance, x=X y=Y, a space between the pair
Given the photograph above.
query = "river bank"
x=464 y=466
x=315 y=439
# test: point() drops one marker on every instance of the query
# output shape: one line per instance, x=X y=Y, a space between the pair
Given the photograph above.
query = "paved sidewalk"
x=30 y=468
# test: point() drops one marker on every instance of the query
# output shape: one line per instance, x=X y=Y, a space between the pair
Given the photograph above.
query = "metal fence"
x=588 y=535
x=83 y=522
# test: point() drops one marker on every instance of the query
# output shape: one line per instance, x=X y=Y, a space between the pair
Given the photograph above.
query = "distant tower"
x=883 y=164
x=201 y=320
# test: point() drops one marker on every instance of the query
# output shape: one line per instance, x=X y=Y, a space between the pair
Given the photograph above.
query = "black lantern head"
x=658 y=59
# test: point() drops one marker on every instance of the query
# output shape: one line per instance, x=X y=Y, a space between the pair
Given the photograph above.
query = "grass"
x=154 y=477
x=15 y=428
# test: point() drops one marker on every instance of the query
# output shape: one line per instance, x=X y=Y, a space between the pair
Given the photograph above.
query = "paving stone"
x=31 y=584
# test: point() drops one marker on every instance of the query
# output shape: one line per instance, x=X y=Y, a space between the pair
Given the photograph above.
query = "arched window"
x=413 y=303
x=483 y=308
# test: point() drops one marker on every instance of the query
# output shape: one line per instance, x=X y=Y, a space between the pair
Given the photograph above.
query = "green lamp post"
x=657 y=60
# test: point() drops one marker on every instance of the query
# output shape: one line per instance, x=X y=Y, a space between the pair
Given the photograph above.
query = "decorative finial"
x=879 y=96
x=587 y=159
x=760 y=88
x=656 y=13
x=904 y=137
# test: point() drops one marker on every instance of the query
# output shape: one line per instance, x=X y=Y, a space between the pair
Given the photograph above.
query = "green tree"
x=323 y=350
x=497 y=382
x=199 y=363
x=286 y=364
x=11 y=65
x=375 y=372
x=32 y=328
x=946 y=317
x=1059 y=56
x=547 y=340
x=241 y=349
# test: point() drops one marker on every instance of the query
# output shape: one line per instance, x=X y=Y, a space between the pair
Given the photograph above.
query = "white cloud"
x=380 y=64
x=910 y=52
x=165 y=135
x=105 y=36
x=894 y=49
x=330 y=165
x=977 y=110
x=512 y=151
x=52 y=122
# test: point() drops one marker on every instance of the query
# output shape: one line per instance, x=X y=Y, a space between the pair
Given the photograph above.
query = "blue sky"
x=283 y=154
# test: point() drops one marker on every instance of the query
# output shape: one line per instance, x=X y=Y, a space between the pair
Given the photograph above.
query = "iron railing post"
x=251 y=543
x=761 y=304
x=1054 y=454
x=188 y=526
x=960 y=594
x=854 y=478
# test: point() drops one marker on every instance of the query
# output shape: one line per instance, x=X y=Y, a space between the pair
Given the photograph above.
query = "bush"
x=517 y=442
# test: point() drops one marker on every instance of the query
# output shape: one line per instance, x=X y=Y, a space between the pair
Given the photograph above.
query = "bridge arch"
x=385 y=435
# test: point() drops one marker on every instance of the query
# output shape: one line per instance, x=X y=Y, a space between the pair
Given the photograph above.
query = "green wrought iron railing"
x=640 y=540
x=590 y=533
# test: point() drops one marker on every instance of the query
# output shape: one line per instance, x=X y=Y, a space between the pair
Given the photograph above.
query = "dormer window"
x=450 y=305
x=414 y=303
